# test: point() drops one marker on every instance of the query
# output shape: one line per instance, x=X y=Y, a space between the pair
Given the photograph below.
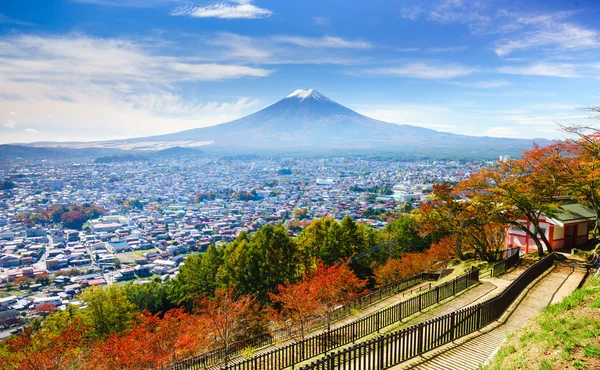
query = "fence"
x=511 y=259
x=316 y=345
x=397 y=347
x=218 y=355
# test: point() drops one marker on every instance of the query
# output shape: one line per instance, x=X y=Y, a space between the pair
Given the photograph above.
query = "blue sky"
x=107 y=69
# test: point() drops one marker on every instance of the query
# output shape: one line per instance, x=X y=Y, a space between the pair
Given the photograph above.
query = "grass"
x=566 y=335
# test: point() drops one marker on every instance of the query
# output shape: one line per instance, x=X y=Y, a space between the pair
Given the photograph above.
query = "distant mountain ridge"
x=306 y=121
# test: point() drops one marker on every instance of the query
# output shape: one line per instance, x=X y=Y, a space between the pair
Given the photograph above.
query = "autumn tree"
x=44 y=309
x=517 y=190
x=294 y=307
x=332 y=287
x=44 y=349
x=73 y=219
x=152 y=342
x=230 y=317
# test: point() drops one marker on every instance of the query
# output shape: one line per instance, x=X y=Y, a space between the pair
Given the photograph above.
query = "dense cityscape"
x=153 y=214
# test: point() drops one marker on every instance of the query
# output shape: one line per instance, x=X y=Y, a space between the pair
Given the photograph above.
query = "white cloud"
x=484 y=84
x=285 y=49
x=215 y=72
x=504 y=131
x=563 y=36
x=10 y=124
x=6 y=20
x=424 y=71
x=233 y=9
x=321 y=21
x=12 y=113
x=31 y=130
x=542 y=69
x=521 y=30
x=323 y=42
x=129 y=89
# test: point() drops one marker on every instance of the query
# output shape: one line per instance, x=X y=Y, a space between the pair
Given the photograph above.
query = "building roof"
x=573 y=213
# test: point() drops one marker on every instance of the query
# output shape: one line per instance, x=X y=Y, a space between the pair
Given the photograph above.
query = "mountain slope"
x=308 y=121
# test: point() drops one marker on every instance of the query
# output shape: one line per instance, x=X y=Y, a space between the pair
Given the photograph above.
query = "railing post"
x=420 y=339
x=437 y=294
x=452 y=323
x=453 y=286
x=380 y=362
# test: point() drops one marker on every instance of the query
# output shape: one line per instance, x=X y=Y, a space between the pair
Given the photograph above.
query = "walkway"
x=470 y=352
x=488 y=288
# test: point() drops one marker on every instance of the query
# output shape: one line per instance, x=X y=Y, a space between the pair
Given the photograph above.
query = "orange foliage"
x=45 y=309
x=410 y=264
x=45 y=350
x=334 y=286
x=230 y=318
x=151 y=342
x=297 y=305
x=442 y=252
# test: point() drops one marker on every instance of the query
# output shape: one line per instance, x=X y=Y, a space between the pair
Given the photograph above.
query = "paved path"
x=488 y=288
x=470 y=352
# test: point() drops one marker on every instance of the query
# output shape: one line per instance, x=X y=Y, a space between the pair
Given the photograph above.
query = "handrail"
x=397 y=347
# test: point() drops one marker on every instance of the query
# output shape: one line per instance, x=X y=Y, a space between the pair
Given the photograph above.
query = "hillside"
x=306 y=121
x=565 y=335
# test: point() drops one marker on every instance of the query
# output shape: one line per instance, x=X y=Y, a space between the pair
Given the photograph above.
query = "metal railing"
x=295 y=353
x=397 y=347
x=220 y=354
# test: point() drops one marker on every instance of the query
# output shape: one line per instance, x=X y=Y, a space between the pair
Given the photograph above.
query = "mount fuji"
x=306 y=121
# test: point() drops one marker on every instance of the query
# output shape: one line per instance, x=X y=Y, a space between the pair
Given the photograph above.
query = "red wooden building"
x=569 y=228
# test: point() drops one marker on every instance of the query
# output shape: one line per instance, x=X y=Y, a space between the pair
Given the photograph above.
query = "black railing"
x=383 y=292
x=511 y=259
x=295 y=353
x=397 y=347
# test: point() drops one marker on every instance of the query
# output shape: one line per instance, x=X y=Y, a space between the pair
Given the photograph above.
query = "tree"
x=45 y=309
x=333 y=286
x=152 y=342
x=231 y=318
x=295 y=305
x=197 y=275
x=442 y=252
x=401 y=235
x=258 y=264
x=45 y=349
x=516 y=190
x=55 y=213
x=108 y=310
x=462 y=224
x=7 y=185
x=152 y=297
x=73 y=220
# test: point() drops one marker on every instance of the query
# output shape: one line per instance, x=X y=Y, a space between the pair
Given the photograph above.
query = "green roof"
x=568 y=213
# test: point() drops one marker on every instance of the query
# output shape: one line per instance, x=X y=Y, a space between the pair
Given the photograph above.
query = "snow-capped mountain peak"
x=303 y=94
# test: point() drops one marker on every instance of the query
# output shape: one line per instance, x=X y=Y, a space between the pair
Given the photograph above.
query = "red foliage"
x=152 y=342
x=45 y=309
x=442 y=252
x=73 y=219
x=332 y=287
x=230 y=318
x=297 y=306
x=45 y=350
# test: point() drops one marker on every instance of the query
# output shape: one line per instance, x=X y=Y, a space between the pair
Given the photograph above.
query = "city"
x=181 y=207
